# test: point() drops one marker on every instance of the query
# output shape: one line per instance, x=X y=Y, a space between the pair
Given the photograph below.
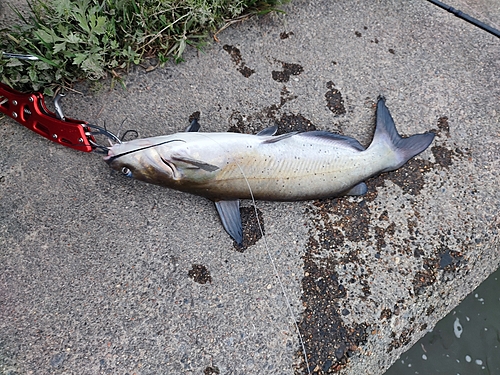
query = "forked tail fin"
x=387 y=137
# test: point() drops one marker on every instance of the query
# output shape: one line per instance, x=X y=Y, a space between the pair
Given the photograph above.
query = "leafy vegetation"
x=92 y=39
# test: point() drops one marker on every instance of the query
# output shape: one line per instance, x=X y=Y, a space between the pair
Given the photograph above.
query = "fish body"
x=226 y=167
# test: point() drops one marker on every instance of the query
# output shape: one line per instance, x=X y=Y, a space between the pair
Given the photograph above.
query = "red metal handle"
x=30 y=111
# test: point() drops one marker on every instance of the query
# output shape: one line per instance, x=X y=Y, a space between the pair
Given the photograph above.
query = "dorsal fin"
x=335 y=139
x=279 y=137
x=193 y=127
x=268 y=131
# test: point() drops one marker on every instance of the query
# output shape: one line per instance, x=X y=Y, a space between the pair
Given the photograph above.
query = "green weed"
x=91 y=39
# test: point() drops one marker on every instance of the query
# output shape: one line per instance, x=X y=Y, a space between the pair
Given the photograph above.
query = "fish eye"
x=127 y=172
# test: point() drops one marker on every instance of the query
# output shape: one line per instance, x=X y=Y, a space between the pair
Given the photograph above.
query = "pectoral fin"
x=195 y=163
x=359 y=189
x=229 y=212
x=268 y=131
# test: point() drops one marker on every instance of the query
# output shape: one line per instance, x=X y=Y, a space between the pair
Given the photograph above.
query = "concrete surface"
x=103 y=274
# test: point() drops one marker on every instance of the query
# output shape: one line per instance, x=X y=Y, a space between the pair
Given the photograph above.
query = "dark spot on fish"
x=392 y=51
x=211 y=370
x=322 y=327
x=334 y=100
x=423 y=327
x=429 y=310
x=284 y=35
x=290 y=123
x=251 y=229
x=200 y=274
x=374 y=41
x=235 y=54
x=288 y=70
x=442 y=156
x=358 y=34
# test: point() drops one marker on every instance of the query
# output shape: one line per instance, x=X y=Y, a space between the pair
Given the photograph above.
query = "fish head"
x=145 y=159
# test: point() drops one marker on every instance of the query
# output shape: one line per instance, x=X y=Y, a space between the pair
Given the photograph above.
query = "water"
x=465 y=342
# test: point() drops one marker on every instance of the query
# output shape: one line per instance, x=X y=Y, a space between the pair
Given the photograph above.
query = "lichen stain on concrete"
x=334 y=100
x=211 y=370
x=341 y=230
x=248 y=123
x=235 y=54
x=289 y=69
x=251 y=229
x=328 y=341
x=403 y=339
x=291 y=122
x=200 y=274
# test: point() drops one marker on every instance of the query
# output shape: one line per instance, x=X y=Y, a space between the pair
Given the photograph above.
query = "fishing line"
x=276 y=271
x=301 y=340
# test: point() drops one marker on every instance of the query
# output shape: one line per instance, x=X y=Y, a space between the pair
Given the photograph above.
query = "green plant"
x=90 y=39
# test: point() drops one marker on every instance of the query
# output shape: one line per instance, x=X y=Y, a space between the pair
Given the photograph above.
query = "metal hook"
x=97 y=130
x=57 y=106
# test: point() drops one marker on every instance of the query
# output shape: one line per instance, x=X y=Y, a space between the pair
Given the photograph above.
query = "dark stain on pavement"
x=337 y=225
x=240 y=123
x=442 y=155
x=194 y=116
x=334 y=100
x=288 y=70
x=294 y=123
x=251 y=230
x=200 y=274
x=328 y=341
x=443 y=126
x=410 y=177
x=284 y=35
x=235 y=54
x=403 y=339
x=211 y=370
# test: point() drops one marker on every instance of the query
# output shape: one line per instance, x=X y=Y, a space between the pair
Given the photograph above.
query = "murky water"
x=465 y=342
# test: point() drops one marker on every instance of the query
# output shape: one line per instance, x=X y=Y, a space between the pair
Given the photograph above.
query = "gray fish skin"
x=303 y=166
x=226 y=167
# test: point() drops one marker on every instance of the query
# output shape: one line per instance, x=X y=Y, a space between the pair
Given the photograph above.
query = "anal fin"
x=359 y=189
x=229 y=212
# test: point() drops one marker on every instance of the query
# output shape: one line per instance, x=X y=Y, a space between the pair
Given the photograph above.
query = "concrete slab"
x=103 y=274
